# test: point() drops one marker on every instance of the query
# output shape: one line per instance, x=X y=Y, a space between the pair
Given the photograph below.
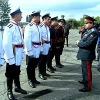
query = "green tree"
x=97 y=18
x=81 y=22
x=4 y=12
x=75 y=22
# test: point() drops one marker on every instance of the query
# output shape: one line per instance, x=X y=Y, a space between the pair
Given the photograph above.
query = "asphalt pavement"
x=61 y=85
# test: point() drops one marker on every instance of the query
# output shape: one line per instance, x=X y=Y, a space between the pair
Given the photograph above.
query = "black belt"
x=47 y=42
x=35 y=43
x=19 y=46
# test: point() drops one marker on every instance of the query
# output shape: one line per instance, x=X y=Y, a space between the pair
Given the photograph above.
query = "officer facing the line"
x=13 y=48
x=32 y=40
x=86 y=52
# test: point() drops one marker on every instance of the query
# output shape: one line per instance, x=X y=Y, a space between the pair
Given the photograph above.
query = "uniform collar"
x=34 y=23
x=43 y=24
x=12 y=21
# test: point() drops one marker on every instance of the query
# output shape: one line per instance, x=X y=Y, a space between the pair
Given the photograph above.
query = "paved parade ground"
x=63 y=84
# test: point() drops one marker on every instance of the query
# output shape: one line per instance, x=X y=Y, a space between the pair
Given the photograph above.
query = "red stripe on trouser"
x=89 y=75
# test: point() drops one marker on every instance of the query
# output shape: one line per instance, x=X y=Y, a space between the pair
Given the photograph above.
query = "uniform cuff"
x=11 y=61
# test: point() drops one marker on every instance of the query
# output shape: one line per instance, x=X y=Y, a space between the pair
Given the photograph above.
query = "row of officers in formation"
x=41 y=42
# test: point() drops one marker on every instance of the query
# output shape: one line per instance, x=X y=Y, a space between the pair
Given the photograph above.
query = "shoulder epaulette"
x=41 y=24
x=92 y=29
x=9 y=25
x=30 y=24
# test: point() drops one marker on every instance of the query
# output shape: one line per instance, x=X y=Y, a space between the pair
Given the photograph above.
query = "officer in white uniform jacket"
x=33 y=47
x=13 y=49
x=2 y=61
x=46 y=45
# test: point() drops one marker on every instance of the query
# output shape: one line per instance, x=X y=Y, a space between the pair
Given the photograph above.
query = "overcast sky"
x=69 y=8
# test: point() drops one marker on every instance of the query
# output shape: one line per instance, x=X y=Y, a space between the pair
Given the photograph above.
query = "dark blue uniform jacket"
x=87 y=45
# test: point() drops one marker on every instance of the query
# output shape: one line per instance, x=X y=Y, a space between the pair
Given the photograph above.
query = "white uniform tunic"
x=1 y=52
x=13 y=36
x=45 y=33
x=32 y=35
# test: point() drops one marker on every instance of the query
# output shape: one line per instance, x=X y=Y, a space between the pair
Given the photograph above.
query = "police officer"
x=32 y=40
x=13 y=48
x=45 y=33
x=2 y=61
x=53 y=42
x=60 y=42
x=86 y=52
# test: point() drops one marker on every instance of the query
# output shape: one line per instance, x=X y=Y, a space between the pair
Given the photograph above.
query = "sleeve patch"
x=91 y=36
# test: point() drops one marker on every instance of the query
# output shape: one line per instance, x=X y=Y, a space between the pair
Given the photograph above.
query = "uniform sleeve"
x=7 y=45
x=42 y=33
x=42 y=37
x=58 y=32
x=92 y=39
x=28 y=41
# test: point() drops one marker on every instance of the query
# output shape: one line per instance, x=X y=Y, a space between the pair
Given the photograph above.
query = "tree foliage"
x=4 y=12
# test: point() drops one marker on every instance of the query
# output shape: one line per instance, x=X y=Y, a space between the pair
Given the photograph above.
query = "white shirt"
x=12 y=36
x=45 y=34
x=32 y=33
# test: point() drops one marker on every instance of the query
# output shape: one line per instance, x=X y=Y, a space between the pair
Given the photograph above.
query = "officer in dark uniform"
x=53 y=42
x=60 y=42
x=86 y=52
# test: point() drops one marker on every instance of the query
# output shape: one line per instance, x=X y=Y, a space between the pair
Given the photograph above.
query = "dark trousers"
x=57 y=59
x=12 y=74
x=50 y=57
x=87 y=74
x=42 y=64
x=99 y=58
x=31 y=65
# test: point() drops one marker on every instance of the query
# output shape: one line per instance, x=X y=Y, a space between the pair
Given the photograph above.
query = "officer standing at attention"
x=86 y=52
x=53 y=42
x=60 y=42
x=45 y=33
x=13 y=48
x=32 y=40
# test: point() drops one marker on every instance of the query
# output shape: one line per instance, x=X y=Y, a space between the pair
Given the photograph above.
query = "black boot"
x=57 y=59
x=9 y=89
x=49 y=66
x=18 y=87
x=29 y=75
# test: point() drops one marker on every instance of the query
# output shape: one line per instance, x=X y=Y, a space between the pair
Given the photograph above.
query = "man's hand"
x=77 y=42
